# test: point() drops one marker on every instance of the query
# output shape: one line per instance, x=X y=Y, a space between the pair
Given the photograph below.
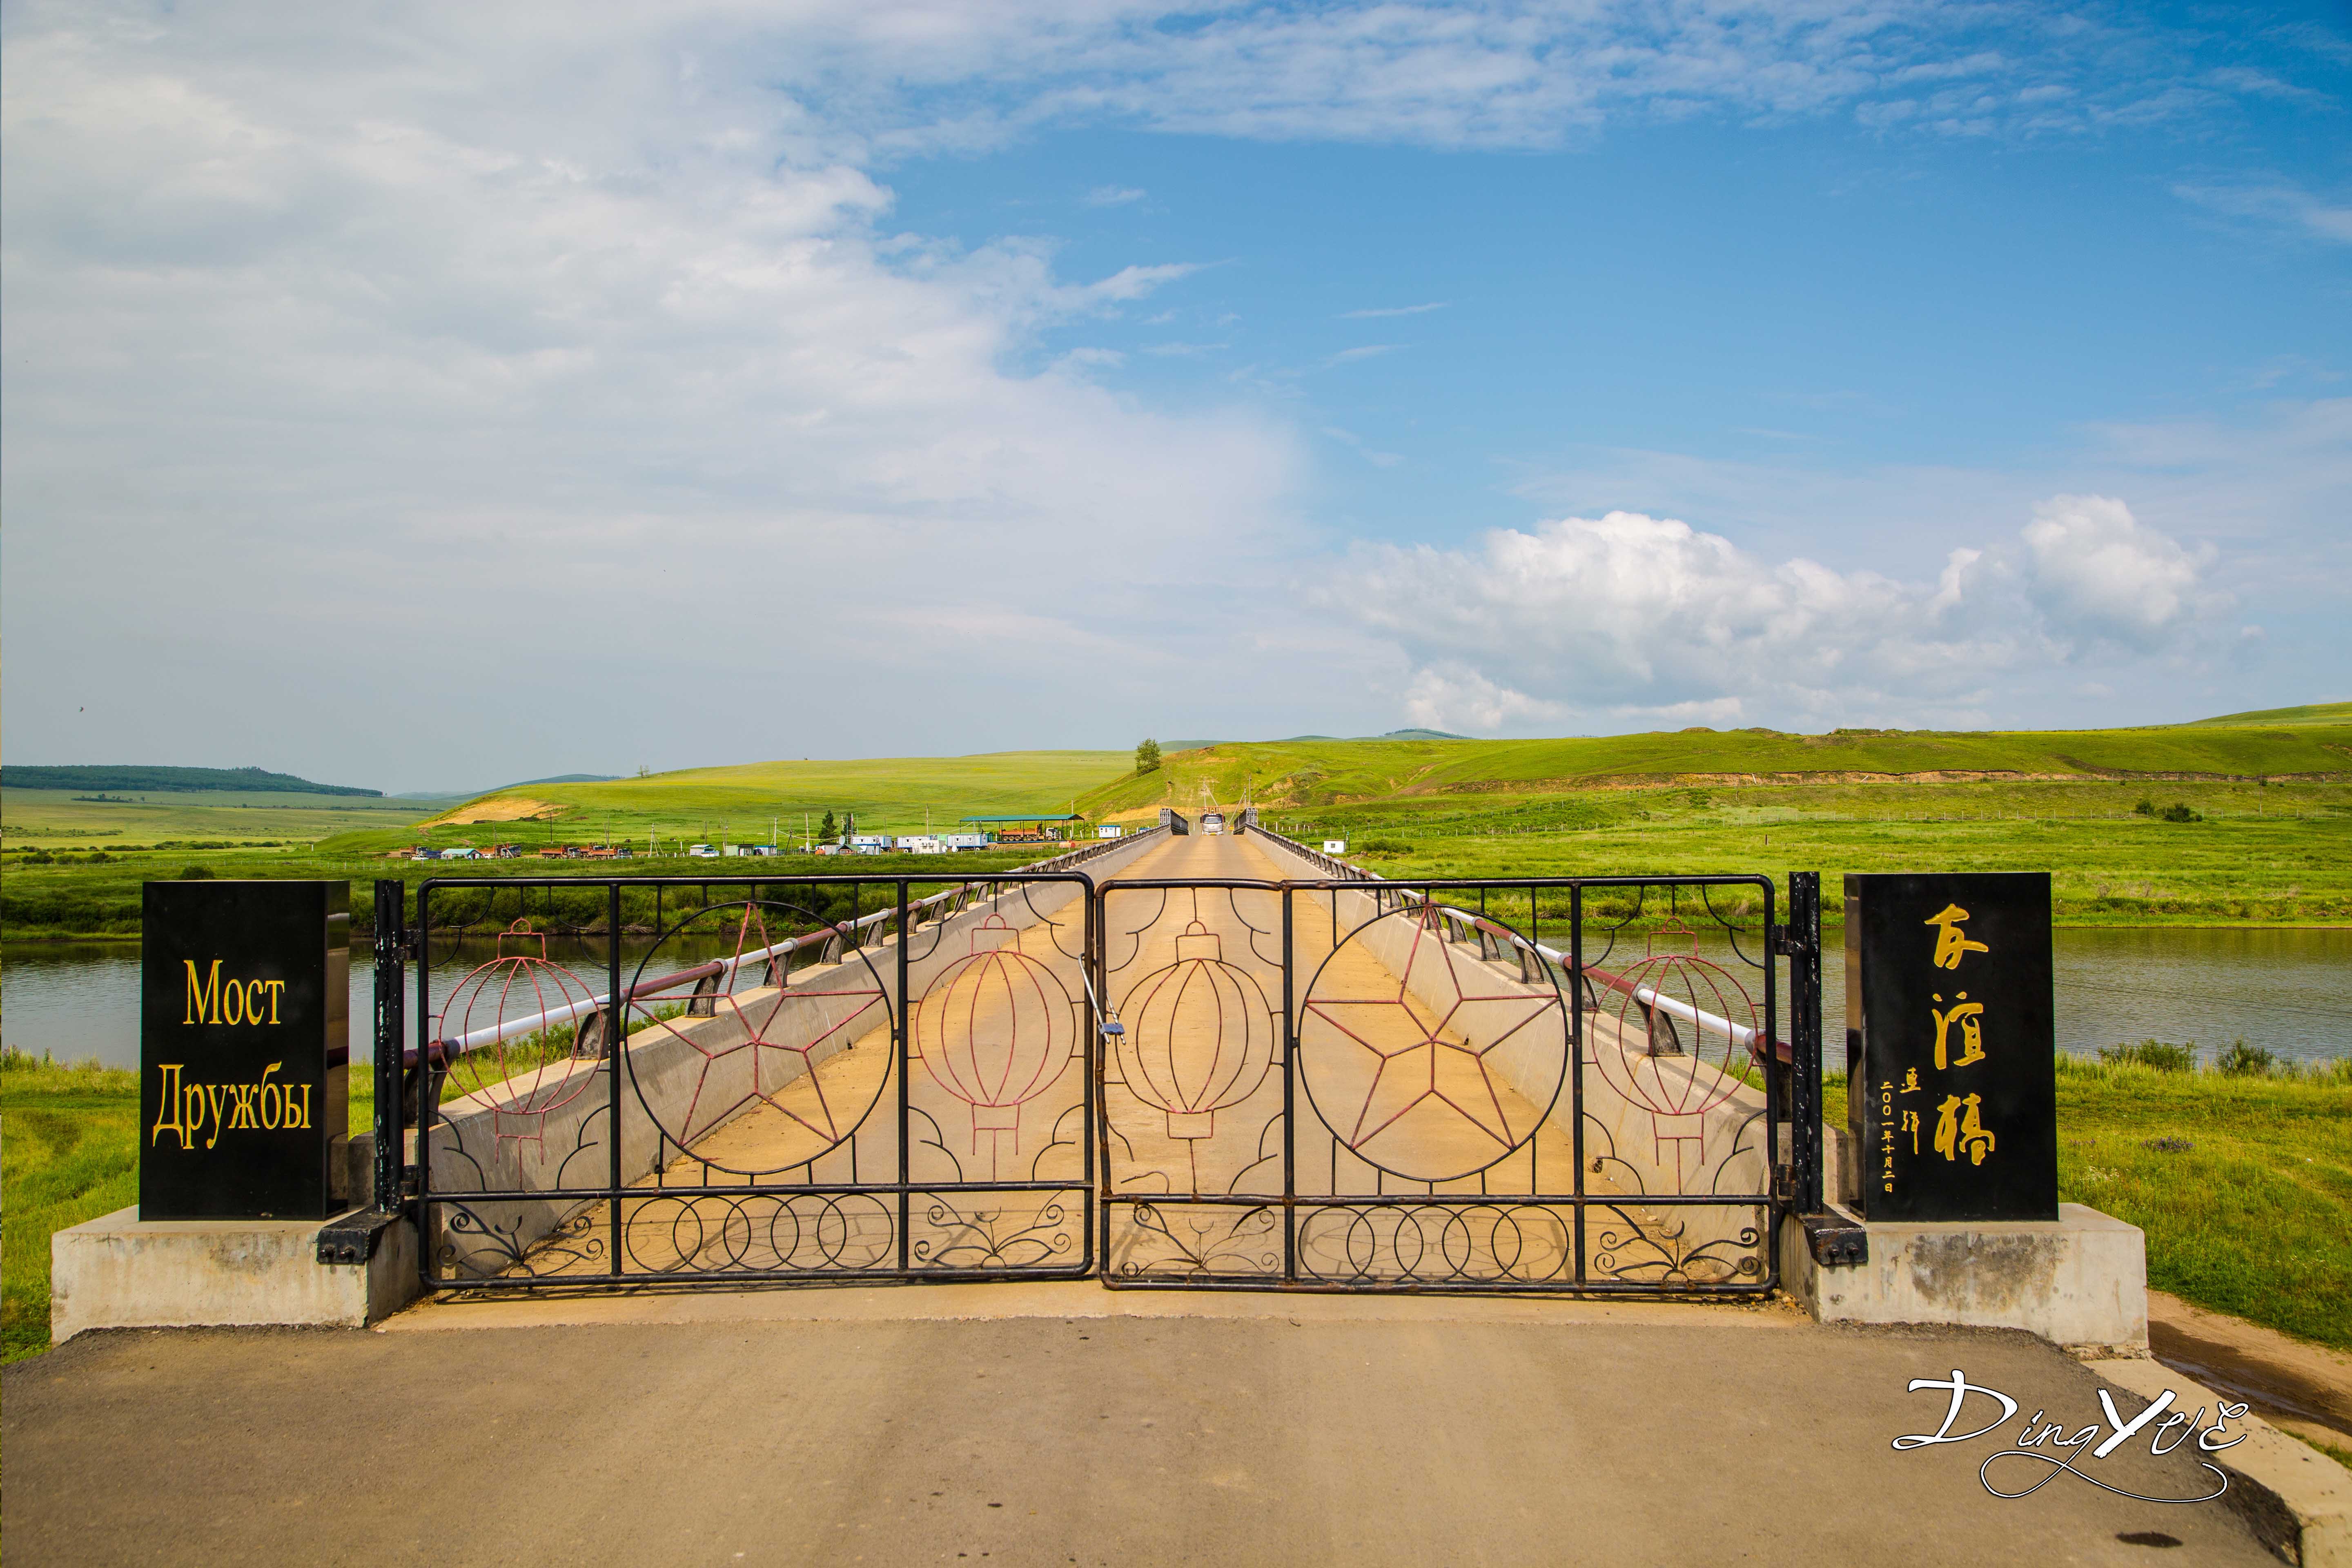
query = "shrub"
x=2179 y=812
x=2154 y=1054
x=1383 y=847
x=195 y=874
x=2243 y=1060
x=2146 y=807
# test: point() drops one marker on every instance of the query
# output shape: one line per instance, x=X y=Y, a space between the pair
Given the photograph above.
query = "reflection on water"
x=2290 y=991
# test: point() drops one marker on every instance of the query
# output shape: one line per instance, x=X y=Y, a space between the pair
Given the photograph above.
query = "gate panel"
x=1196 y=1083
x=1453 y=1097
x=804 y=1091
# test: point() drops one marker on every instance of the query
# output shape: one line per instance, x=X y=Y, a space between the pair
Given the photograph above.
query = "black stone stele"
x=244 y=1049
x=1952 y=1085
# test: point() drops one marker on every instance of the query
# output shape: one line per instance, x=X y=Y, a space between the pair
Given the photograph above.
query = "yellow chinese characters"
x=1952 y=943
x=1968 y=1017
x=1957 y=1129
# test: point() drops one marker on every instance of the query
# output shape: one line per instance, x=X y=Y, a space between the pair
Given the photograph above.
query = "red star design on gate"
x=769 y=1078
x=1425 y=1063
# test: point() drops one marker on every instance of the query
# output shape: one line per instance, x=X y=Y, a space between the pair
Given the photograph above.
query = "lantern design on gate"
x=994 y=1029
x=1199 y=1037
x=528 y=1078
x=1664 y=1060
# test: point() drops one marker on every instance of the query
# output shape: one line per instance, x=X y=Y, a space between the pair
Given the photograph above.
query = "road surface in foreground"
x=756 y=1429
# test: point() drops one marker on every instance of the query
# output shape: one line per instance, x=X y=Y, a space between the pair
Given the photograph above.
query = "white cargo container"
x=1106 y=831
x=1335 y=846
x=964 y=840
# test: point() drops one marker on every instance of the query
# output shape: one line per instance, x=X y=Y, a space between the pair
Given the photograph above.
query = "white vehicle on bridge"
x=1213 y=822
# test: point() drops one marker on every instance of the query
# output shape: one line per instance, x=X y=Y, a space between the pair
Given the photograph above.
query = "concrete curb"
x=2298 y=1500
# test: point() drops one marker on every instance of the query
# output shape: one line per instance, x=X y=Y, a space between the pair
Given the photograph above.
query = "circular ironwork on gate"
x=1433 y=1044
x=786 y=1073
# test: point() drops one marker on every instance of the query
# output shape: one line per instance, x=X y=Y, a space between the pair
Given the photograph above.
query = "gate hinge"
x=1785 y=942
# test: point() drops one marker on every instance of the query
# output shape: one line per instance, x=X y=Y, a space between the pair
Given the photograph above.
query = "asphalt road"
x=1415 y=1433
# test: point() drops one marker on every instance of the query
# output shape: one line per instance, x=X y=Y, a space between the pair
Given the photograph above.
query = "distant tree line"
x=167 y=780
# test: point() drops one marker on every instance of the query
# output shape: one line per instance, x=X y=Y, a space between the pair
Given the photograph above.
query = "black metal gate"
x=1550 y=1085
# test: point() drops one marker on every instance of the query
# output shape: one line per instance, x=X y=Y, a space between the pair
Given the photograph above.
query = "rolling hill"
x=1327 y=773
x=2329 y=714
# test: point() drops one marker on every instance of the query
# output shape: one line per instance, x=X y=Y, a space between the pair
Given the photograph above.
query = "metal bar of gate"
x=1804 y=950
x=391 y=941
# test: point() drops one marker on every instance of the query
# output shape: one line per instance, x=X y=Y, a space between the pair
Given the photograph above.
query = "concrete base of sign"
x=2080 y=1282
x=121 y=1272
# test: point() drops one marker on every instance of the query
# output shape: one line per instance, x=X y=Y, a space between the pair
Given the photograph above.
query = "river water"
x=2289 y=991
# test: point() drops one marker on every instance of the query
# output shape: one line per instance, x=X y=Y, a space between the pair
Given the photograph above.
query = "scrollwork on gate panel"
x=980 y=1230
x=481 y=1241
x=1178 y=1240
x=1682 y=1246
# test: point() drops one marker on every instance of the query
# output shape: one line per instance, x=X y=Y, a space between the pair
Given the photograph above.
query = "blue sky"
x=593 y=390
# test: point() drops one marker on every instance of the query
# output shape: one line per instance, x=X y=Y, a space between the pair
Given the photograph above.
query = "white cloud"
x=1113 y=195
x=2275 y=201
x=1631 y=615
x=2095 y=570
x=1393 y=310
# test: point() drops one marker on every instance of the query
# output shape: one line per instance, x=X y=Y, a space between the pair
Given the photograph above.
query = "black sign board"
x=244 y=1049
x=1952 y=1092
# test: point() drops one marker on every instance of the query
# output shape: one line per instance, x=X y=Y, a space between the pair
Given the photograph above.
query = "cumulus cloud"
x=1628 y=615
x=2095 y=572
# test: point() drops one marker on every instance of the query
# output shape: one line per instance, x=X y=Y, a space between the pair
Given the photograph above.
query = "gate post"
x=1803 y=945
x=391 y=999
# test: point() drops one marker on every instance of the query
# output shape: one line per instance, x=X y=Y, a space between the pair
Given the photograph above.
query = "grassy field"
x=2268 y=842
x=2280 y=855
x=55 y=819
x=2254 y=1217
x=1307 y=773
x=745 y=804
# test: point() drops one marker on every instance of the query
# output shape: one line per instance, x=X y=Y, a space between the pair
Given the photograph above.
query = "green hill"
x=745 y=802
x=134 y=779
x=2329 y=714
x=1329 y=773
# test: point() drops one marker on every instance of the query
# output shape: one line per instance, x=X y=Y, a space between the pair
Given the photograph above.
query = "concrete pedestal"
x=2080 y=1282
x=121 y=1272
